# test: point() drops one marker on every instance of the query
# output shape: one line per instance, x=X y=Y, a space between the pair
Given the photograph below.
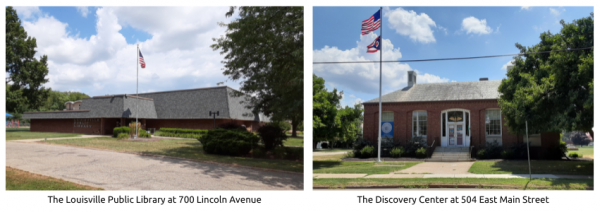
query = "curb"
x=425 y=186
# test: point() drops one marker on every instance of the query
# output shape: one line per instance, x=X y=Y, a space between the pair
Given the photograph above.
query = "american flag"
x=142 y=63
x=375 y=46
x=371 y=24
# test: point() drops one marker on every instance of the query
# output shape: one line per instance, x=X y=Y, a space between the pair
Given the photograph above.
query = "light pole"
x=214 y=114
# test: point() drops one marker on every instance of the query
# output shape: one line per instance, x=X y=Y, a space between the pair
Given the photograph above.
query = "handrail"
x=433 y=143
x=471 y=150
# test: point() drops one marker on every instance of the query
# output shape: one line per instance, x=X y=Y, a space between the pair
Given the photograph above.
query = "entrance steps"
x=450 y=154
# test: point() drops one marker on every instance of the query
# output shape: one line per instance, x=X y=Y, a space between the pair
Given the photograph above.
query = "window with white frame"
x=420 y=123
x=493 y=123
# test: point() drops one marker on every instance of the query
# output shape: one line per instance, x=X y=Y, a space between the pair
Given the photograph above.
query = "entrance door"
x=455 y=134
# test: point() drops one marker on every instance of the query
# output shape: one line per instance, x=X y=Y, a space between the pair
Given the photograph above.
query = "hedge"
x=183 y=131
x=228 y=142
x=119 y=130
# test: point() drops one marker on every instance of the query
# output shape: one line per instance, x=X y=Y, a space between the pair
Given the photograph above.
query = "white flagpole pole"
x=136 y=89
x=380 y=76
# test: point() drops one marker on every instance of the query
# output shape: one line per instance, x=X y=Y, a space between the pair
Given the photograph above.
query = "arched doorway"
x=455 y=127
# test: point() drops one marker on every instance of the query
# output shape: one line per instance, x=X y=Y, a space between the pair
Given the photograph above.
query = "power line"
x=456 y=58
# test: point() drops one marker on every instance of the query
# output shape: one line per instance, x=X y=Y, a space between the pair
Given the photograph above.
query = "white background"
x=307 y=200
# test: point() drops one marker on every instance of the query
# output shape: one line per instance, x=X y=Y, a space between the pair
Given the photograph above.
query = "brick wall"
x=196 y=123
x=83 y=126
x=403 y=120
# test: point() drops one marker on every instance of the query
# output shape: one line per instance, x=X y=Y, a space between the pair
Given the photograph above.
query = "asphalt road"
x=122 y=171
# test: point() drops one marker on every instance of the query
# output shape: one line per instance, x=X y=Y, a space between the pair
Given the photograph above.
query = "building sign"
x=387 y=129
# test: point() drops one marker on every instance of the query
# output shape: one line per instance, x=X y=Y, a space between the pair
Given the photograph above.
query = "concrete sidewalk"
x=41 y=139
x=469 y=175
x=330 y=153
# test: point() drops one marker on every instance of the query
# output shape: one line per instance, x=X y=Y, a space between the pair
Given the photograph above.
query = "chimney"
x=412 y=78
x=483 y=79
x=508 y=68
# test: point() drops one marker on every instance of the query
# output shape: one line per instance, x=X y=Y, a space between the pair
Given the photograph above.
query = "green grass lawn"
x=537 y=167
x=329 y=157
x=22 y=180
x=587 y=152
x=294 y=141
x=337 y=167
x=553 y=184
x=24 y=133
x=332 y=150
x=183 y=148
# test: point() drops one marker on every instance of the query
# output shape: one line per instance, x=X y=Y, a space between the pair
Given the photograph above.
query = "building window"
x=493 y=125
x=455 y=116
x=387 y=116
x=467 y=129
x=443 y=124
x=420 y=123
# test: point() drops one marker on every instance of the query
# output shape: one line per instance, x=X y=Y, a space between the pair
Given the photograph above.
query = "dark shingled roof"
x=448 y=91
x=177 y=104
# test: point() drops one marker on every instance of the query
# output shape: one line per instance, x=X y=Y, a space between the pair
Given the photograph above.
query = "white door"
x=456 y=134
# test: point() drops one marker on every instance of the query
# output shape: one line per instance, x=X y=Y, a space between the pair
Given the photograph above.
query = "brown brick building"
x=454 y=114
x=171 y=109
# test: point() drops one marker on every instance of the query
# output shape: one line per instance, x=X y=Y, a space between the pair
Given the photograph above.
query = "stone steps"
x=450 y=154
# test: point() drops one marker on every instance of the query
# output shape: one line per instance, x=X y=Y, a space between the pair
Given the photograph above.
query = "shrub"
x=122 y=136
x=272 y=136
x=349 y=155
x=421 y=152
x=231 y=126
x=143 y=134
x=574 y=155
x=183 y=131
x=519 y=150
x=324 y=145
x=258 y=152
x=280 y=152
x=557 y=152
x=284 y=125
x=481 y=154
x=294 y=153
x=119 y=130
x=228 y=142
x=507 y=154
x=367 y=152
x=397 y=152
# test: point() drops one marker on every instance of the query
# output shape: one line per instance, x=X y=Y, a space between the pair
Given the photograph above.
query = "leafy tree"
x=348 y=119
x=264 y=47
x=552 y=91
x=25 y=74
x=325 y=105
x=56 y=100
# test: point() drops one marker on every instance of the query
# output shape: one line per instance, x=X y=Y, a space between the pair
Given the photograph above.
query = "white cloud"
x=83 y=11
x=525 y=8
x=444 y=29
x=364 y=77
x=408 y=23
x=556 y=12
x=509 y=63
x=28 y=12
x=178 y=55
x=476 y=26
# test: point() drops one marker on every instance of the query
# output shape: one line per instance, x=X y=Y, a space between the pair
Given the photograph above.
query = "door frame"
x=445 y=139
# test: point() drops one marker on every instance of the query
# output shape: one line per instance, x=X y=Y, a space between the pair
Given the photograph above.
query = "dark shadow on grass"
x=546 y=167
x=17 y=129
x=325 y=164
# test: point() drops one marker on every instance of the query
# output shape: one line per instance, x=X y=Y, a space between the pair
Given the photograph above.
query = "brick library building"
x=189 y=109
x=453 y=114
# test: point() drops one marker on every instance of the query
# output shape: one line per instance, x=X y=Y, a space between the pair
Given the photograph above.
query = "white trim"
x=413 y=124
x=467 y=138
x=484 y=130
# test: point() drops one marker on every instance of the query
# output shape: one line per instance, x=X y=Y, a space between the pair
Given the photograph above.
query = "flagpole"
x=380 y=76
x=136 y=88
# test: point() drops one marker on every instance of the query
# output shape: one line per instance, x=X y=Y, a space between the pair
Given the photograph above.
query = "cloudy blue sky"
x=423 y=33
x=93 y=49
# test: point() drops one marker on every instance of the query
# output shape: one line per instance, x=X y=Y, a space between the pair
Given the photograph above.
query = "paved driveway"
x=121 y=171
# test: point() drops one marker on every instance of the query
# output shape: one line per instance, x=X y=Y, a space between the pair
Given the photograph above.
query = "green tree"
x=56 y=100
x=552 y=91
x=25 y=74
x=264 y=48
x=325 y=105
x=348 y=119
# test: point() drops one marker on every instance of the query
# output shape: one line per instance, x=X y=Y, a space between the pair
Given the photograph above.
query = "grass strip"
x=17 y=179
x=337 y=167
x=537 y=167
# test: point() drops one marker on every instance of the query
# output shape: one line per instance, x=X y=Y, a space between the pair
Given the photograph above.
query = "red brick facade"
x=403 y=121
x=105 y=126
